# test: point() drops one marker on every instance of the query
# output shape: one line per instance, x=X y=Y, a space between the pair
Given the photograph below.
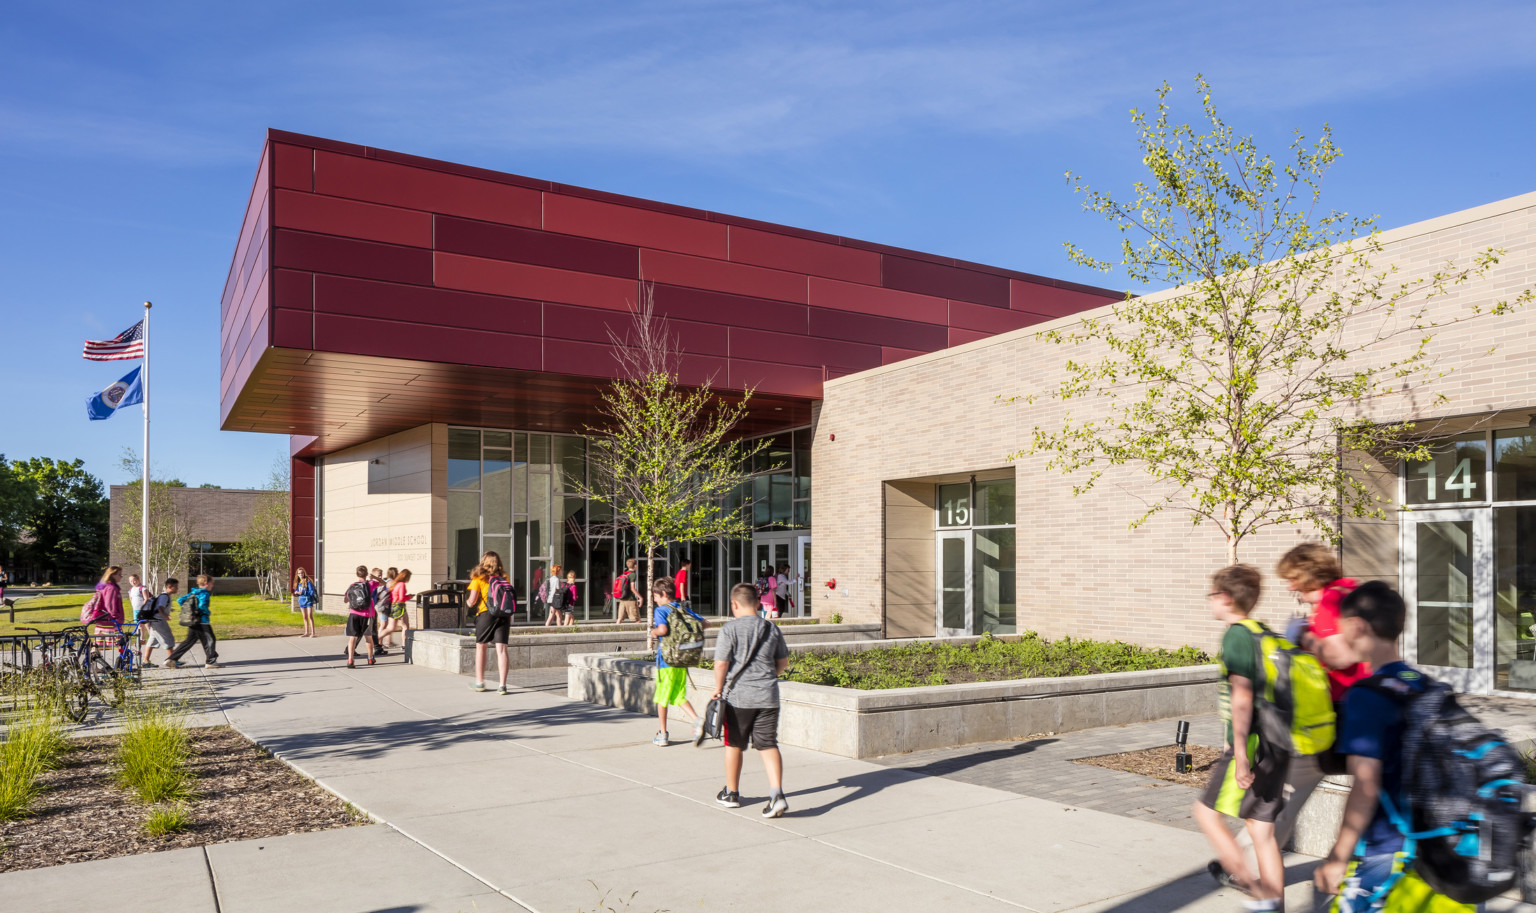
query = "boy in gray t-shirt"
x=752 y=706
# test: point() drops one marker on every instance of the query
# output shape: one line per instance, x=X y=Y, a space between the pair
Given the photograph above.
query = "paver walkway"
x=527 y=801
x=1043 y=767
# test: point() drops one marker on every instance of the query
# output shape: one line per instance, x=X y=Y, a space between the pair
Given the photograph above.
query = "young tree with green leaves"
x=665 y=459
x=264 y=545
x=1244 y=395
x=170 y=531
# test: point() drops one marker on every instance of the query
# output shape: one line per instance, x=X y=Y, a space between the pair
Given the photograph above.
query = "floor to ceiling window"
x=519 y=494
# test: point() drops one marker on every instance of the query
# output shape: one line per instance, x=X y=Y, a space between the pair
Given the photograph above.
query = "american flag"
x=125 y=345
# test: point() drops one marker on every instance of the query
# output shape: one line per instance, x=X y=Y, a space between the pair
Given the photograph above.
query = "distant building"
x=218 y=517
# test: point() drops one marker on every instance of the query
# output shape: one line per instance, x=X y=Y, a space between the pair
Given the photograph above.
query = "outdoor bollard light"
x=1182 y=763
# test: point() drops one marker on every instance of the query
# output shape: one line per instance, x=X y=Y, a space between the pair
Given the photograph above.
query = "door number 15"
x=1460 y=479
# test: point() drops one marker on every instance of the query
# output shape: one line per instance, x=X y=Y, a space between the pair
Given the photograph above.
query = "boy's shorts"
x=158 y=634
x=671 y=686
x=357 y=625
x=1260 y=802
x=760 y=725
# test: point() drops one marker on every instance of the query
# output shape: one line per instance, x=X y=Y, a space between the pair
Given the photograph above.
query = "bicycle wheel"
x=71 y=691
x=111 y=686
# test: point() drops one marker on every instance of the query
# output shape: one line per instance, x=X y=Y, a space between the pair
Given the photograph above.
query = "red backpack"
x=620 y=583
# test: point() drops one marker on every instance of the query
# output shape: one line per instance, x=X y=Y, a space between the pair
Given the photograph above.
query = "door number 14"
x=1460 y=480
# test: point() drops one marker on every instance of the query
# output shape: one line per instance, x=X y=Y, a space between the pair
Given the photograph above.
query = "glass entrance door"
x=953 y=603
x=802 y=587
x=1447 y=569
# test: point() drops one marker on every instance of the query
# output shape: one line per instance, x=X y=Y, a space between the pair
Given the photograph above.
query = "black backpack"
x=358 y=599
x=1464 y=785
x=557 y=597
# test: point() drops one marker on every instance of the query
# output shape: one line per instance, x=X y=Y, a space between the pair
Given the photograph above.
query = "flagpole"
x=144 y=569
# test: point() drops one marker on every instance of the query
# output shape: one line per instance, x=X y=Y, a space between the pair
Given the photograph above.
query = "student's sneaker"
x=147 y=664
x=698 y=733
x=1222 y=877
x=371 y=660
x=502 y=690
x=351 y=664
x=213 y=665
x=728 y=799
x=661 y=740
x=171 y=664
x=380 y=651
x=477 y=686
x=776 y=807
x=1262 y=906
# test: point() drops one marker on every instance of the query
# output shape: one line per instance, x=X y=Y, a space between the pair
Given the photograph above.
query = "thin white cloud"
x=695 y=80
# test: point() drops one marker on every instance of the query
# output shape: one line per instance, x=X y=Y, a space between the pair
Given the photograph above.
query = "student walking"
x=155 y=624
x=750 y=655
x=672 y=682
x=304 y=592
x=781 y=591
x=399 y=599
x=627 y=594
x=569 y=597
x=108 y=599
x=1369 y=847
x=1312 y=572
x=490 y=627
x=1248 y=780
x=5 y=581
x=138 y=594
x=379 y=581
x=552 y=595
x=360 y=614
x=680 y=581
x=767 y=601
x=197 y=616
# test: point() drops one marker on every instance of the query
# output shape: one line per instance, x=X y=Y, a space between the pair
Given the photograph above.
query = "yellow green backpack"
x=1295 y=707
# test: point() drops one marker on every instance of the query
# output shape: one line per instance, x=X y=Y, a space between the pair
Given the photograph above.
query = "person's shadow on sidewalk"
x=867 y=784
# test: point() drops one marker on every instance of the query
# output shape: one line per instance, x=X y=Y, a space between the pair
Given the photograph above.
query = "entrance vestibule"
x=1467 y=548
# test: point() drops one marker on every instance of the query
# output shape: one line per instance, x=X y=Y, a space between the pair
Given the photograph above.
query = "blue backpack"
x=1463 y=828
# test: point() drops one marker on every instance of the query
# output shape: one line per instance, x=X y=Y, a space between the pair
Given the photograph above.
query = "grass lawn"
x=233 y=616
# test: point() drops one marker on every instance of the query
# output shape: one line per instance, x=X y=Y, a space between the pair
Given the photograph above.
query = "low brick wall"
x=454 y=651
x=864 y=724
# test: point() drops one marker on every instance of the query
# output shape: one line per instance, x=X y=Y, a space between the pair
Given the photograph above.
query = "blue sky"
x=129 y=135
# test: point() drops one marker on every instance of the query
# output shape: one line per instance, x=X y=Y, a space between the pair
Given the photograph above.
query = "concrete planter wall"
x=863 y=724
x=453 y=651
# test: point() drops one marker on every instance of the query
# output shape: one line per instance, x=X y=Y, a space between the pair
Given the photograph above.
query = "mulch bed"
x=1158 y=763
x=243 y=793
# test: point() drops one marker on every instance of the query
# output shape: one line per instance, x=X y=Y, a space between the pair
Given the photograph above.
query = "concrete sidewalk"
x=491 y=802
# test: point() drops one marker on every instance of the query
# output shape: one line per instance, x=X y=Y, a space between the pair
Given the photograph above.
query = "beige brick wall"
x=390 y=513
x=1081 y=570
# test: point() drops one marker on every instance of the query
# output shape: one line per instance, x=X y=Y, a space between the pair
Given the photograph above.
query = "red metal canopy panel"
x=372 y=291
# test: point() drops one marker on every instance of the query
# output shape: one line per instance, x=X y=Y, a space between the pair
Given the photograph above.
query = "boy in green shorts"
x=671 y=683
x=1248 y=781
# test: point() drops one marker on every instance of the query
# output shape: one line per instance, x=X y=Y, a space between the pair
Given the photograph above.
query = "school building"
x=434 y=339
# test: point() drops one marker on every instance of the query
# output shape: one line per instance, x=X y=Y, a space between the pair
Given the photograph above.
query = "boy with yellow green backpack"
x=1274 y=703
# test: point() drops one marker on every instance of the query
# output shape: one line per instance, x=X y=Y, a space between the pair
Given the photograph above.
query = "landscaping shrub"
x=990 y=659
x=32 y=746
x=152 y=754
x=169 y=819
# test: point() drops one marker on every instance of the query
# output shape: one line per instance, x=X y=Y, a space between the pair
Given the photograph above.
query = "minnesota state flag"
x=124 y=392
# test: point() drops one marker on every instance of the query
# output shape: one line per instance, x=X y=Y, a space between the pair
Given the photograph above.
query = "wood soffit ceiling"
x=343 y=400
